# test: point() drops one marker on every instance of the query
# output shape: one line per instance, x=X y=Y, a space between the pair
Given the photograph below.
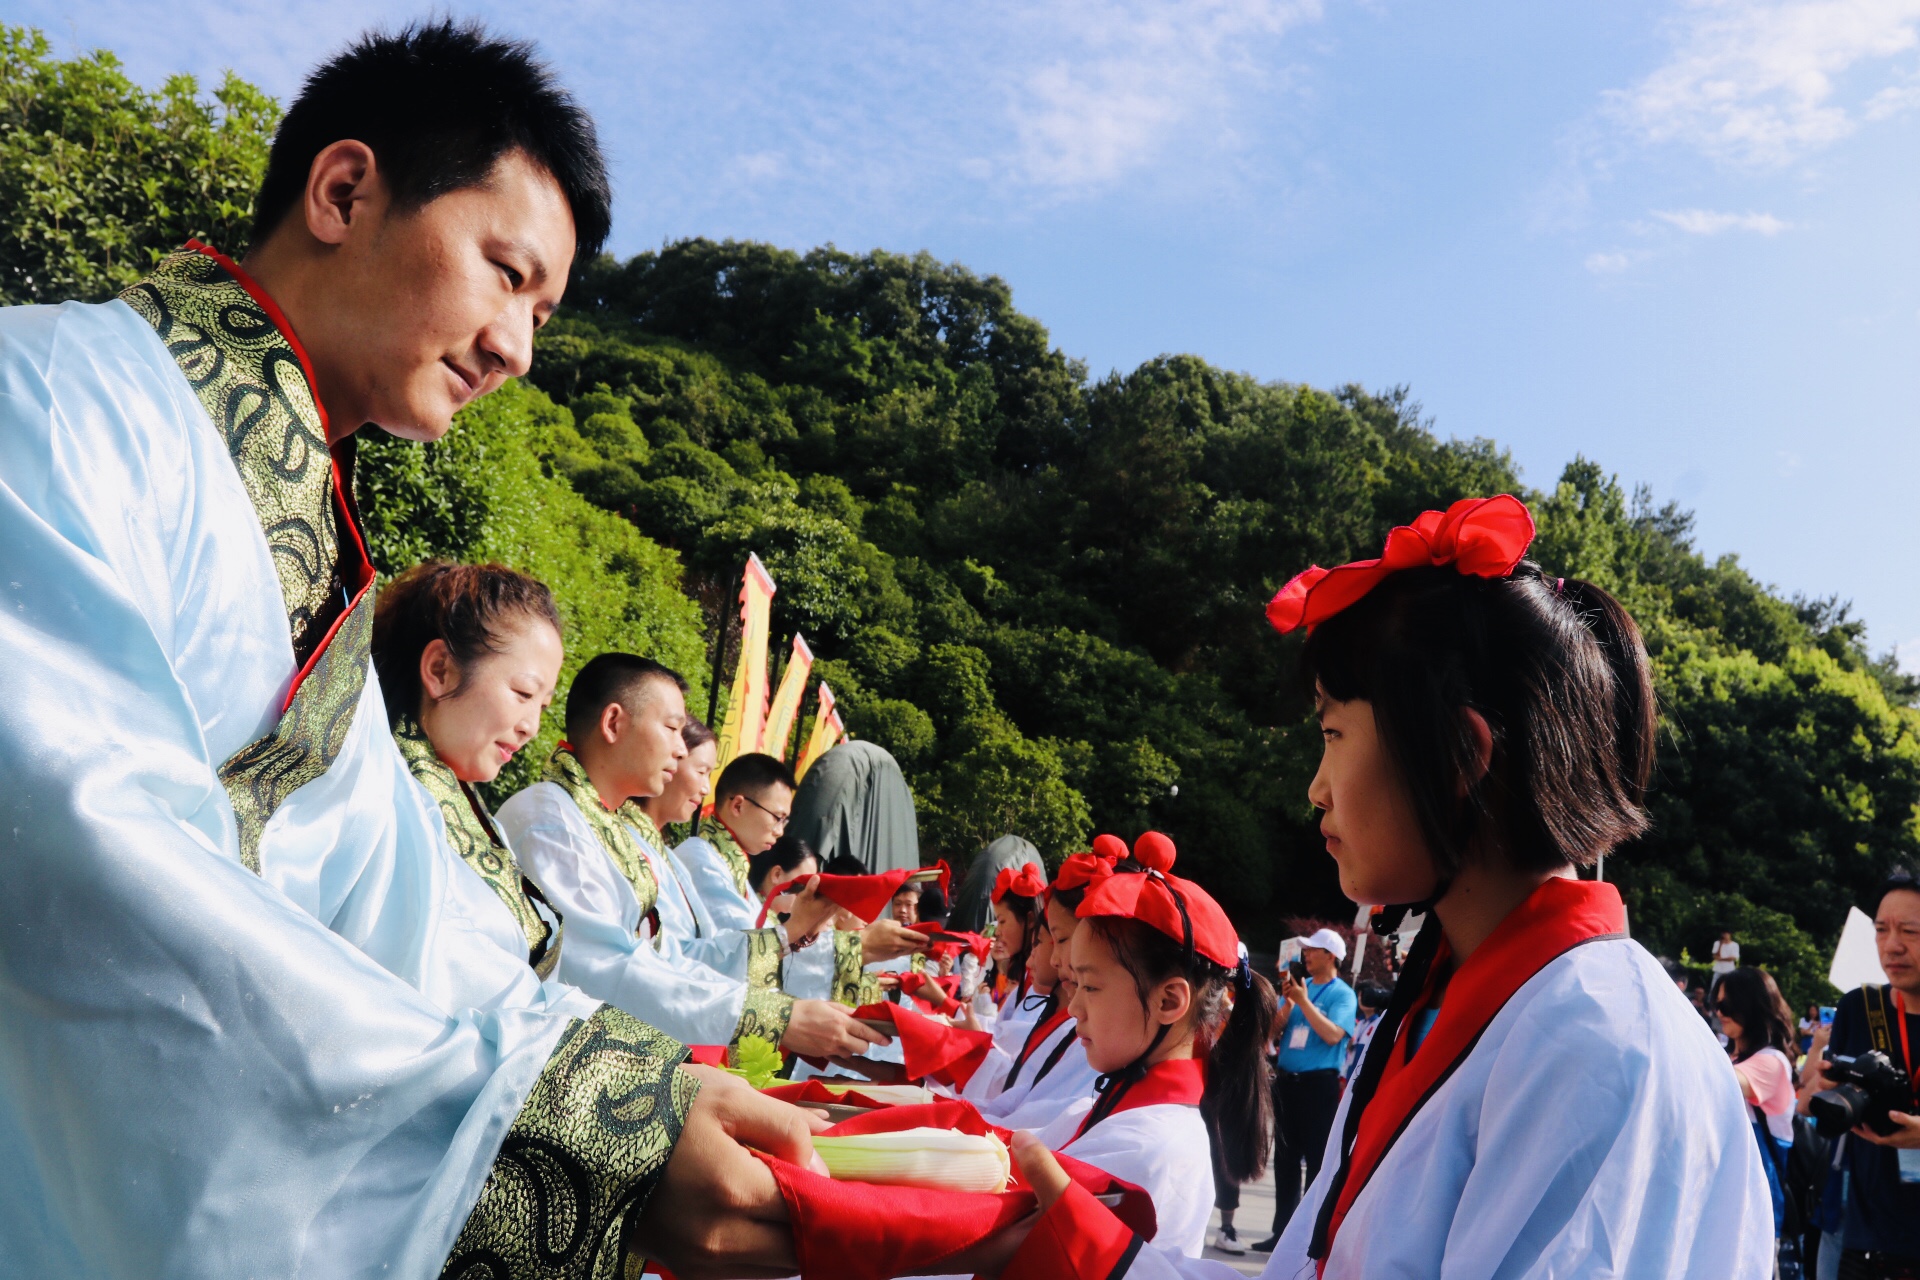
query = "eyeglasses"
x=779 y=819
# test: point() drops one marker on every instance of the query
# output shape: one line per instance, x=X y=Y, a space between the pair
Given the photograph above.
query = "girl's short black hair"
x=440 y=102
x=467 y=606
x=1557 y=668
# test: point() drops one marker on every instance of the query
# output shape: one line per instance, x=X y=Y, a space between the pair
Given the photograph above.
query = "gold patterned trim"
x=766 y=1016
x=565 y=771
x=582 y=1158
x=475 y=837
x=853 y=986
x=252 y=380
x=715 y=833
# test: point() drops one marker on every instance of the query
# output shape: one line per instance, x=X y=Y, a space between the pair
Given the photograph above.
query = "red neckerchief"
x=1558 y=916
x=1175 y=1082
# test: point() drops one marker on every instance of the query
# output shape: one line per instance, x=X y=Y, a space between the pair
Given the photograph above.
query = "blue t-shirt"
x=1301 y=1048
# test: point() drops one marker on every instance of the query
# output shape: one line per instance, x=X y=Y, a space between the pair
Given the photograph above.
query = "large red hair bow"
x=1080 y=870
x=1023 y=881
x=1483 y=537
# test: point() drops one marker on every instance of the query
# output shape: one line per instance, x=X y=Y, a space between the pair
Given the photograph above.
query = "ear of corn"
x=941 y=1159
x=900 y=1095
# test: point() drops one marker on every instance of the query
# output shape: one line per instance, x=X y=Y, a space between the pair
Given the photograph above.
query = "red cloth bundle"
x=865 y=896
x=812 y=1092
x=865 y=1231
x=707 y=1055
x=932 y=1050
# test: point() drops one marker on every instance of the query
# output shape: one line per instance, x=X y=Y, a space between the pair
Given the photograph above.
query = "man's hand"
x=822 y=1029
x=807 y=912
x=1907 y=1135
x=886 y=939
x=717 y=1211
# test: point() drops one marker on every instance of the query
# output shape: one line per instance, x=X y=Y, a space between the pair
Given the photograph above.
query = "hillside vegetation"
x=1042 y=592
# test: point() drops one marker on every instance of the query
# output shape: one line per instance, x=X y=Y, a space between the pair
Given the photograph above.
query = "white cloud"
x=1707 y=222
x=1118 y=80
x=1608 y=264
x=1765 y=83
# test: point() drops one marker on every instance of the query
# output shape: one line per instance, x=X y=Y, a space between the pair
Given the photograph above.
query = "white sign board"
x=1856 y=961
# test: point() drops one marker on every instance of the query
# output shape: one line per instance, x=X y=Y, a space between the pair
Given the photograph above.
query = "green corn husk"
x=938 y=1159
x=900 y=1095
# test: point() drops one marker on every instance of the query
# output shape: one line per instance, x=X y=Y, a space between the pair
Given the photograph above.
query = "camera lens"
x=1838 y=1109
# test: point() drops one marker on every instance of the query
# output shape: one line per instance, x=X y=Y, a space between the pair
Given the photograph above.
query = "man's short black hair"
x=611 y=677
x=750 y=775
x=933 y=904
x=440 y=102
x=1899 y=880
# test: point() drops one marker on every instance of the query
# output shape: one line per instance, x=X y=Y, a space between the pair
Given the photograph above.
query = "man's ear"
x=613 y=723
x=342 y=183
x=1481 y=734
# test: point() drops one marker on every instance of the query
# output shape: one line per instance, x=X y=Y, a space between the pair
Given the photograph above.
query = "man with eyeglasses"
x=751 y=804
x=573 y=832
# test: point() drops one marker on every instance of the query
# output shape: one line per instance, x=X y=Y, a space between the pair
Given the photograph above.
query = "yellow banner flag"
x=786 y=699
x=827 y=733
x=744 y=725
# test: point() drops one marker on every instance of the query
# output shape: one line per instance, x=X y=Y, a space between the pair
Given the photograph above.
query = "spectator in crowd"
x=932 y=907
x=1373 y=1002
x=905 y=907
x=1879 y=1233
x=1807 y=1026
x=1726 y=958
x=1759 y=1026
x=1315 y=1021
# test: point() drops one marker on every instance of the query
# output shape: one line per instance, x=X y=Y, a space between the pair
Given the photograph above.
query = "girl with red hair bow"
x=1537 y=1099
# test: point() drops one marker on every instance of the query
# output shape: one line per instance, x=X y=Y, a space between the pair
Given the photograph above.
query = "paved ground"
x=1253 y=1221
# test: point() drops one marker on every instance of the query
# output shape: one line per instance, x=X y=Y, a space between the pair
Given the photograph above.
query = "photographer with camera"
x=1864 y=1090
x=1315 y=1021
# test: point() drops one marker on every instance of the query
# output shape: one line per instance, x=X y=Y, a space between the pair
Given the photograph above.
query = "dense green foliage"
x=1042 y=593
x=483 y=494
x=99 y=177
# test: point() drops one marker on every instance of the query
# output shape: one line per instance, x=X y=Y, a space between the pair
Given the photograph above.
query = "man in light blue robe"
x=259 y=1020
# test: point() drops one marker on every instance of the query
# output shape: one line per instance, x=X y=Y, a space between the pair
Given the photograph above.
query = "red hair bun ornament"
x=1110 y=847
x=1178 y=908
x=1023 y=881
x=1481 y=537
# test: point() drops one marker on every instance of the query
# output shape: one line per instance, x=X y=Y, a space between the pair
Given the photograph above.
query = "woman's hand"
x=718 y=1211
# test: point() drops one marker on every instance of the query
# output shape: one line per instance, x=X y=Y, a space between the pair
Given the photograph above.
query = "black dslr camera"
x=1865 y=1088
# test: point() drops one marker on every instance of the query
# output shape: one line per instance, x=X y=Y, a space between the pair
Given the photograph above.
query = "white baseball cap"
x=1326 y=940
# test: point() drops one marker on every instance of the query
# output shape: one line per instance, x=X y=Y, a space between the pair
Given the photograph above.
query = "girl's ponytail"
x=1238 y=1103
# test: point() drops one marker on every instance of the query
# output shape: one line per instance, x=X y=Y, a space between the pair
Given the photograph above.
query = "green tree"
x=482 y=495
x=100 y=178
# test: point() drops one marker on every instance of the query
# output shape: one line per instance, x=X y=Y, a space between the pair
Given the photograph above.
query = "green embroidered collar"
x=473 y=835
x=622 y=846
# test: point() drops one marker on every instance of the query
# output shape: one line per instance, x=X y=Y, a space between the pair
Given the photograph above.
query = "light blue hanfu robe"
x=256 y=1018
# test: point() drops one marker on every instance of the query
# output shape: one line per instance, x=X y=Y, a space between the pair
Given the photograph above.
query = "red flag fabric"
x=1481 y=537
x=707 y=1055
x=933 y=1051
x=865 y=896
x=866 y=1231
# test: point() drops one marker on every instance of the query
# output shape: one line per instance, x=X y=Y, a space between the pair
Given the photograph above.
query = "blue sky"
x=1681 y=238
